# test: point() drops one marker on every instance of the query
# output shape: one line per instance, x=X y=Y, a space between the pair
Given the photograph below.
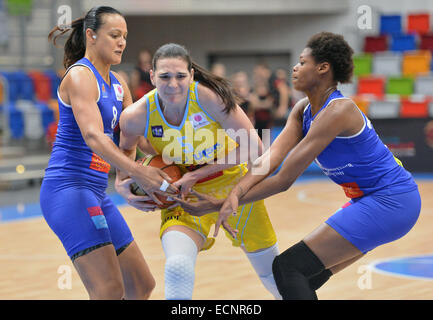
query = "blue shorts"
x=373 y=220
x=82 y=218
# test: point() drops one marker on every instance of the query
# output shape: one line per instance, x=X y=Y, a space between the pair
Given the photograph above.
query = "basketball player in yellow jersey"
x=188 y=119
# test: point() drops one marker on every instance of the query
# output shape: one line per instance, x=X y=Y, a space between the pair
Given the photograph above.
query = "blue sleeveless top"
x=361 y=163
x=71 y=158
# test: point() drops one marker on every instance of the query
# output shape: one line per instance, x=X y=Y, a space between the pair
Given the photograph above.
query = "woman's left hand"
x=143 y=203
x=229 y=208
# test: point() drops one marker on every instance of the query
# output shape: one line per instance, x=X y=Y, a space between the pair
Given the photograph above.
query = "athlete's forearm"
x=104 y=147
x=131 y=154
x=128 y=149
x=260 y=170
x=295 y=164
x=266 y=188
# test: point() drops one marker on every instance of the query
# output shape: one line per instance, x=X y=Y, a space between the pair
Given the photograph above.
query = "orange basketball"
x=171 y=169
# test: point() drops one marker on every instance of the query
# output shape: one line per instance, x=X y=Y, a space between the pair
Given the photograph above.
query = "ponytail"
x=220 y=86
x=75 y=46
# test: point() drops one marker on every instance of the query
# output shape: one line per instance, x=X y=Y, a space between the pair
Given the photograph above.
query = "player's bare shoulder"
x=79 y=81
x=299 y=108
x=210 y=101
x=342 y=110
x=205 y=93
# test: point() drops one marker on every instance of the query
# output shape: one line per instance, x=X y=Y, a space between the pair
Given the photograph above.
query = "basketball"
x=171 y=169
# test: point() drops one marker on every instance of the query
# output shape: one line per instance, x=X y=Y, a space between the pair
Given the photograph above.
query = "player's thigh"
x=137 y=277
x=120 y=232
x=330 y=247
x=337 y=268
x=100 y=272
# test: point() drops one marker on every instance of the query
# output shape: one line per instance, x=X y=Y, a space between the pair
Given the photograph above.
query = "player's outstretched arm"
x=329 y=124
x=285 y=141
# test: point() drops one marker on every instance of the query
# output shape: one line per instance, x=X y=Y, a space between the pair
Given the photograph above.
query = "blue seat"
x=16 y=121
x=390 y=24
x=13 y=85
x=27 y=91
x=20 y=85
x=55 y=82
x=403 y=42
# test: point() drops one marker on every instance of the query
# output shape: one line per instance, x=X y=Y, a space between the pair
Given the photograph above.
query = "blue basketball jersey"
x=361 y=163
x=70 y=156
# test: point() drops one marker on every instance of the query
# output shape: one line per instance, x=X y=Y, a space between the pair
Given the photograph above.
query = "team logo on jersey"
x=119 y=91
x=157 y=131
x=104 y=91
x=198 y=120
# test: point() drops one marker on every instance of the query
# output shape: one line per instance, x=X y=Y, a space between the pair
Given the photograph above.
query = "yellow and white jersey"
x=197 y=140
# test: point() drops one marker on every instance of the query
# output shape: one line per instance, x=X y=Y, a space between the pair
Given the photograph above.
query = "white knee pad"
x=262 y=264
x=181 y=253
x=179 y=278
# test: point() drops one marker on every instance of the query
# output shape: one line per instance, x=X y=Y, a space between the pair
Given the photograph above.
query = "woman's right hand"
x=203 y=204
x=123 y=187
x=153 y=180
x=229 y=208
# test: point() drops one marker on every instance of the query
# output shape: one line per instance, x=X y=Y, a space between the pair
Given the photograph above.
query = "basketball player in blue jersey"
x=73 y=198
x=328 y=128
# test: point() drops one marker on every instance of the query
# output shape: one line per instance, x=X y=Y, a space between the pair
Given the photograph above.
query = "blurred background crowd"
x=251 y=43
x=266 y=95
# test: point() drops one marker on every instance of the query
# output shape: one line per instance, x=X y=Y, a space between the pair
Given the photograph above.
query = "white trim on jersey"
x=97 y=83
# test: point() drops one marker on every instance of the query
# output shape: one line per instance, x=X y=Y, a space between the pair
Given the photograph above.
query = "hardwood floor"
x=34 y=264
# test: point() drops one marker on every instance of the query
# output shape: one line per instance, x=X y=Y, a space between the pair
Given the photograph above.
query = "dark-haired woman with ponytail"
x=73 y=198
x=192 y=118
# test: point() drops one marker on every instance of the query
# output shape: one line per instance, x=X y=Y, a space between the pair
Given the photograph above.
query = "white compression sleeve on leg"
x=262 y=264
x=181 y=253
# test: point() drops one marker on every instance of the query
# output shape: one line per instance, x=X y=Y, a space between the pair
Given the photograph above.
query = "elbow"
x=283 y=183
x=92 y=138
x=284 y=187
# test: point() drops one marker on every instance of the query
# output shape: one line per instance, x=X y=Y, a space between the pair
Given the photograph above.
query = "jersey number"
x=113 y=122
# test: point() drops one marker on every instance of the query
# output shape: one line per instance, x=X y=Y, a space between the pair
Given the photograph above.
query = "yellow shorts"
x=252 y=220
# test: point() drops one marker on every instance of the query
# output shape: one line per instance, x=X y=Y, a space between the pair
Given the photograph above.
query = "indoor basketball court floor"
x=34 y=264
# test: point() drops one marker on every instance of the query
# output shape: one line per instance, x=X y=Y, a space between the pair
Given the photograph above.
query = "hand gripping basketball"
x=172 y=170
